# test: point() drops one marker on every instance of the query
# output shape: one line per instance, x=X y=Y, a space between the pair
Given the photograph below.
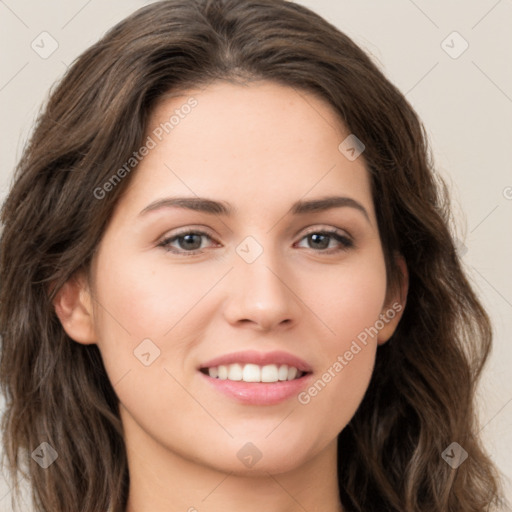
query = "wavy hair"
x=422 y=392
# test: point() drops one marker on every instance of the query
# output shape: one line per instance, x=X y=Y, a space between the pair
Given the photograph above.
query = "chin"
x=259 y=458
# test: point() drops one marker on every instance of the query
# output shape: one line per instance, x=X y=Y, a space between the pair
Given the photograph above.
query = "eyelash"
x=345 y=242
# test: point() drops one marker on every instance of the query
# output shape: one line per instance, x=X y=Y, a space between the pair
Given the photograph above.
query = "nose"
x=261 y=295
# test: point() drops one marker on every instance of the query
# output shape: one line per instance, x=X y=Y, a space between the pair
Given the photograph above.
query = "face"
x=262 y=281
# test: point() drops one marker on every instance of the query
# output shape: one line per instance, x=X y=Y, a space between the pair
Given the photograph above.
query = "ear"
x=73 y=306
x=394 y=305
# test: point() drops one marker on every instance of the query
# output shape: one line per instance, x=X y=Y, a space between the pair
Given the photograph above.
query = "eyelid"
x=319 y=227
x=199 y=229
x=313 y=228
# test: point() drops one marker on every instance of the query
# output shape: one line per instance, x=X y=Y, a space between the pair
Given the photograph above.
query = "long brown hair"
x=421 y=396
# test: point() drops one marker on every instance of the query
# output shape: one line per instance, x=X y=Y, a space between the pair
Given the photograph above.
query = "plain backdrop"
x=451 y=60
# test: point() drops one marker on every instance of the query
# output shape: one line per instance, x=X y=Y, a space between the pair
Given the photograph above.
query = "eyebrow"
x=204 y=205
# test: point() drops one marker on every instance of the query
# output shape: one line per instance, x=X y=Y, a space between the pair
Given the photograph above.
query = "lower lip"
x=259 y=393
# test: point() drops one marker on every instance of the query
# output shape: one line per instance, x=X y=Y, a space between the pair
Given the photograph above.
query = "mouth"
x=255 y=378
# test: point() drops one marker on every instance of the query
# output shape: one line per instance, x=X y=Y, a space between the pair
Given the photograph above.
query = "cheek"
x=139 y=301
x=348 y=361
x=333 y=398
x=353 y=298
x=351 y=308
x=148 y=301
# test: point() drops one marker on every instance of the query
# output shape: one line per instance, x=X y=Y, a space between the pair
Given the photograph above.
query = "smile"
x=255 y=378
x=253 y=372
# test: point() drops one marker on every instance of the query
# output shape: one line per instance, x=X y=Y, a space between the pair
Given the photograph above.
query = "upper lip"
x=260 y=358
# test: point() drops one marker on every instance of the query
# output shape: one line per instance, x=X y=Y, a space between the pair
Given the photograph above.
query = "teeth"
x=270 y=373
x=223 y=372
x=292 y=372
x=235 y=372
x=254 y=373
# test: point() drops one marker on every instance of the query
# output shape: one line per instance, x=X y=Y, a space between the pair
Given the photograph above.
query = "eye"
x=189 y=242
x=322 y=240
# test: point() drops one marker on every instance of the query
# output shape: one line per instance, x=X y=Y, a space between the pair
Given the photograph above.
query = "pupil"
x=188 y=240
x=314 y=237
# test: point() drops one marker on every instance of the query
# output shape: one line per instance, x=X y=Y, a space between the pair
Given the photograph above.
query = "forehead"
x=263 y=141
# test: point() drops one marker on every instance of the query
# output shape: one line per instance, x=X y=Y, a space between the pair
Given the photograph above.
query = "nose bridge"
x=259 y=290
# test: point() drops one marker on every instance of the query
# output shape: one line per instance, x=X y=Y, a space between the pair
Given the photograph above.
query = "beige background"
x=465 y=103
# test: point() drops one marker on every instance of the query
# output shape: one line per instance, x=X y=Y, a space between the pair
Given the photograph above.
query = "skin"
x=260 y=147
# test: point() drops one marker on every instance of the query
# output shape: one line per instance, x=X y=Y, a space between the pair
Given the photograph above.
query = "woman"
x=236 y=285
